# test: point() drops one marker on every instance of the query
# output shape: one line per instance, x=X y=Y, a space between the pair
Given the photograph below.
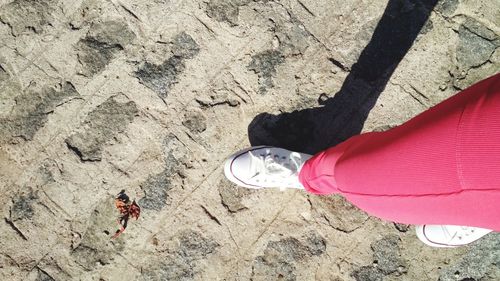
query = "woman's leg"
x=440 y=167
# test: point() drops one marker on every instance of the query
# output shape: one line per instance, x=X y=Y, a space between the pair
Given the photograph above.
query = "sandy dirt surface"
x=151 y=96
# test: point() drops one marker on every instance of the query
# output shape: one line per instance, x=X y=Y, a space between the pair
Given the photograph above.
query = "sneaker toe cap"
x=237 y=168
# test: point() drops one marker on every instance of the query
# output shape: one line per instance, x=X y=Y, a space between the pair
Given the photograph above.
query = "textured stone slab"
x=181 y=261
x=103 y=41
x=103 y=124
x=339 y=213
x=200 y=79
x=160 y=78
x=28 y=15
x=281 y=257
x=31 y=111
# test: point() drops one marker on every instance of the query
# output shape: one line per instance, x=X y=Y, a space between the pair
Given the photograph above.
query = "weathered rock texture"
x=103 y=124
x=152 y=96
x=101 y=44
x=181 y=261
x=28 y=15
x=280 y=257
x=32 y=109
x=160 y=78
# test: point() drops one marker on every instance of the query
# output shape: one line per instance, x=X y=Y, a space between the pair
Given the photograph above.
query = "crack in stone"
x=212 y=217
x=306 y=8
x=17 y=230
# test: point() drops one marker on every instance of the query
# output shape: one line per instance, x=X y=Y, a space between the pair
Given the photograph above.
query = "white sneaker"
x=449 y=235
x=265 y=166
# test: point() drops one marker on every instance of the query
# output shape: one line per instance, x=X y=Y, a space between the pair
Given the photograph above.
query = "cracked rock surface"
x=102 y=124
x=31 y=111
x=152 y=96
x=103 y=41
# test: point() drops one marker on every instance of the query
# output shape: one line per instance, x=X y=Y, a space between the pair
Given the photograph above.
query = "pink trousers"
x=441 y=167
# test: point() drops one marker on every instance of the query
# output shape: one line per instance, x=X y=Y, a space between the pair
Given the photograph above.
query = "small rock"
x=232 y=196
x=402 y=227
x=233 y=102
x=22 y=207
x=195 y=121
x=322 y=99
x=387 y=254
x=264 y=65
x=219 y=97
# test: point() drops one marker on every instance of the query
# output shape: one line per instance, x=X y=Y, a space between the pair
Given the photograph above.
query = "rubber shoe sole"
x=434 y=236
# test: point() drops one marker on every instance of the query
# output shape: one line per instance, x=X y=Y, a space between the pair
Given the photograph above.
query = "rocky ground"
x=150 y=96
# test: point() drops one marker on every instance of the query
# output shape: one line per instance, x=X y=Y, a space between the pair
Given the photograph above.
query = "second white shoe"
x=449 y=235
x=265 y=166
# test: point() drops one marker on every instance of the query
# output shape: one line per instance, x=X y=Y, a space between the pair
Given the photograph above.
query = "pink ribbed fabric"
x=441 y=167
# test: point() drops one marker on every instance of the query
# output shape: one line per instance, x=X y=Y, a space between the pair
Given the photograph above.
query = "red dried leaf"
x=121 y=206
x=126 y=210
x=134 y=210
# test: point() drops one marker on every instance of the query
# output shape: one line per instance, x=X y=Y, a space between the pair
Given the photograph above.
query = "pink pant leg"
x=435 y=167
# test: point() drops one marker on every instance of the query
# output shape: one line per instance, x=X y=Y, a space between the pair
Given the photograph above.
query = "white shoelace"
x=275 y=166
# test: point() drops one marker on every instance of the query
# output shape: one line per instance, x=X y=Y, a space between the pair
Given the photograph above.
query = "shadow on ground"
x=342 y=116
